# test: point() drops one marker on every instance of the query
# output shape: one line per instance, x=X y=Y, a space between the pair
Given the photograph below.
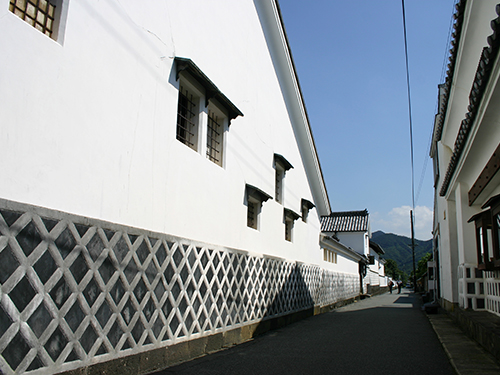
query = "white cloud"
x=397 y=221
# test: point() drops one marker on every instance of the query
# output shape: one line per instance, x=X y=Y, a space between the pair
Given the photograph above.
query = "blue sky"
x=350 y=60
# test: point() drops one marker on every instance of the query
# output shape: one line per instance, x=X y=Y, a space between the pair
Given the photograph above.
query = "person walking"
x=400 y=285
x=390 y=286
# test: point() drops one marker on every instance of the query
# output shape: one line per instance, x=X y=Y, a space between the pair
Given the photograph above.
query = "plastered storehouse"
x=161 y=191
x=465 y=150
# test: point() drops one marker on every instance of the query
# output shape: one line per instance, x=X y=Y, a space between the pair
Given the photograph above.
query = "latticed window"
x=252 y=214
x=329 y=256
x=215 y=130
x=288 y=229
x=186 y=118
x=38 y=13
x=279 y=175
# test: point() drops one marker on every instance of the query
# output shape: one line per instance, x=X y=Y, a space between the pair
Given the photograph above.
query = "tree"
x=422 y=265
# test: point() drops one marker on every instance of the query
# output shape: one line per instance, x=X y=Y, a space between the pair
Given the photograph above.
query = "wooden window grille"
x=329 y=256
x=288 y=229
x=252 y=214
x=279 y=184
x=186 y=118
x=214 y=138
x=38 y=13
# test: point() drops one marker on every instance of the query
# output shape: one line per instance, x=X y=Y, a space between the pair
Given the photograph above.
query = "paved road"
x=386 y=334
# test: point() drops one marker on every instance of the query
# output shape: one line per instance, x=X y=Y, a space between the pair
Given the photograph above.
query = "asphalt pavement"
x=386 y=334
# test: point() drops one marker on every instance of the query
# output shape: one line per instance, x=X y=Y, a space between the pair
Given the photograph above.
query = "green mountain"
x=398 y=248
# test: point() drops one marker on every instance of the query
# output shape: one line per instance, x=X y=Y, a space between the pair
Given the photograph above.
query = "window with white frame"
x=188 y=115
x=281 y=165
x=215 y=134
x=43 y=15
x=201 y=105
x=254 y=197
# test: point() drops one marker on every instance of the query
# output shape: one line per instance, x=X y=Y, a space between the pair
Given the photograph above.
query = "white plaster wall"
x=89 y=126
x=354 y=240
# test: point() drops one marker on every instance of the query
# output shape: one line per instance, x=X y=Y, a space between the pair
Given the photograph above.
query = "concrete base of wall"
x=161 y=358
x=481 y=326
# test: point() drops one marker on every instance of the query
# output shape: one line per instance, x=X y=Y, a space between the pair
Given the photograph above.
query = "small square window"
x=254 y=197
x=281 y=165
x=289 y=219
x=306 y=206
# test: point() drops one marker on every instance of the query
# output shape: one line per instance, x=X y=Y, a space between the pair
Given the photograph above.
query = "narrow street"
x=386 y=334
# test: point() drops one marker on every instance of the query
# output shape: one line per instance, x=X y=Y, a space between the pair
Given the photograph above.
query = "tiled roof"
x=348 y=221
x=481 y=80
x=457 y=33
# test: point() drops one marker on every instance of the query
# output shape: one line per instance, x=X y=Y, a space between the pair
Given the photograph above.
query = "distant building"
x=465 y=151
x=352 y=229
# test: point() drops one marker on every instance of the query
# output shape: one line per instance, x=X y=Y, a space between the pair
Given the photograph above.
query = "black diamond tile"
x=8 y=264
x=142 y=252
x=140 y=290
x=56 y=344
x=149 y=309
x=204 y=259
x=151 y=272
x=188 y=321
x=22 y=294
x=174 y=323
x=137 y=331
x=49 y=223
x=161 y=254
x=128 y=312
x=153 y=241
x=107 y=269
x=176 y=290
x=95 y=246
x=35 y=364
x=102 y=350
x=79 y=268
x=121 y=249
x=15 y=352
x=177 y=257
x=157 y=327
x=167 y=307
x=65 y=242
x=127 y=345
x=117 y=292
x=39 y=320
x=109 y=234
x=115 y=334
x=88 y=338
x=147 y=341
x=72 y=357
x=5 y=321
x=133 y=238
x=29 y=238
x=81 y=229
x=131 y=270
x=45 y=267
x=60 y=293
x=103 y=314
x=183 y=305
x=184 y=273
x=91 y=292
x=10 y=217
x=75 y=316
x=169 y=273
x=159 y=290
x=191 y=257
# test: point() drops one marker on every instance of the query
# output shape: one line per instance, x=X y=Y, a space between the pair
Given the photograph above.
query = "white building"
x=160 y=182
x=465 y=149
x=352 y=230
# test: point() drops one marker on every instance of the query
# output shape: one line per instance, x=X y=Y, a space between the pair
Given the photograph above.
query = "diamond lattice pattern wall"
x=75 y=291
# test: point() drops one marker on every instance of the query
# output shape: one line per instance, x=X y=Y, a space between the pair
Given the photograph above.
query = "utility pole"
x=413 y=252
